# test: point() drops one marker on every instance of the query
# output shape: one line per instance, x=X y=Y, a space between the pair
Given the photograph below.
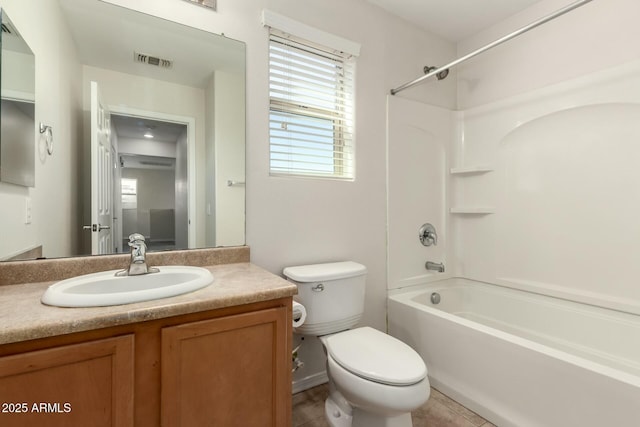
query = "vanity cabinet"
x=223 y=367
x=222 y=372
x=88 y=384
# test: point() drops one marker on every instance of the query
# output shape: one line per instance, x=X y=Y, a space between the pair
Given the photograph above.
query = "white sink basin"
x=105 y=288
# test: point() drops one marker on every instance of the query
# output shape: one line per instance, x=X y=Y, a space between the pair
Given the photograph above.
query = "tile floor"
x=439 y=411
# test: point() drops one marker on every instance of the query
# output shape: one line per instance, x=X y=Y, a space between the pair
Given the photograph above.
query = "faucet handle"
x=138 y=248
x=135 y=238
x=427 y=235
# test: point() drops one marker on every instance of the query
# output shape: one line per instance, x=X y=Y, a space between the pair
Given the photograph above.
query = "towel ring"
x=48 y=136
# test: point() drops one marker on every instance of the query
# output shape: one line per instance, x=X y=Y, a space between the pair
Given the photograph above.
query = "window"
x=129 y=191
x=311 y=109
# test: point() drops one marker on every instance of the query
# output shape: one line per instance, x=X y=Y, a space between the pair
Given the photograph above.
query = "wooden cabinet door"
x=88 y=384
x=230 y=371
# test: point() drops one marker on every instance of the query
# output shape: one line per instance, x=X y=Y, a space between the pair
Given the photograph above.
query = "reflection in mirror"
x=152 y=162
x=184 y=87
x=17 y=121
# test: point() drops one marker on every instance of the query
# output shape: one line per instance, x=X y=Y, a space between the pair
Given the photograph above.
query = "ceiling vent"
x=152 y=60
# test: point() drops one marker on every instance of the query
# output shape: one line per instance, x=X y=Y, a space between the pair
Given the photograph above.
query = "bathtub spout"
x=435 y=266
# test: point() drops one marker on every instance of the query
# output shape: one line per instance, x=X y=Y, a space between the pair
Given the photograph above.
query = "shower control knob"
x=427 y=235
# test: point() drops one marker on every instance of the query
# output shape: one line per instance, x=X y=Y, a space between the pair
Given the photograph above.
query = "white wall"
x=54 y=198
x=18 y=75
x=156 y=187
x=210 y=162
x=146 y=147
x=156 y=190
x=229 y=159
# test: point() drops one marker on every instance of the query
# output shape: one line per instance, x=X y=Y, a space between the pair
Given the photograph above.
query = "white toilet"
x=375 y=380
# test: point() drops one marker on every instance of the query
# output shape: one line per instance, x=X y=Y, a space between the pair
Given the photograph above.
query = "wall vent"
x=155 y=163
x=152 y=60
x=8 y=29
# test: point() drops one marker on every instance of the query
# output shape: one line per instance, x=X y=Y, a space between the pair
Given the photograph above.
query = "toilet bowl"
x=375 y=380
x=380 y=377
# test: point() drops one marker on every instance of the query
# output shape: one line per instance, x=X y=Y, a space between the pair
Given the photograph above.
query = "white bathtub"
x=522 y=359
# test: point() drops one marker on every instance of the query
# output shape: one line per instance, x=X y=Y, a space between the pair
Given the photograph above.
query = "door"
x=86 y=384
x=228 y=371
x=101 y=176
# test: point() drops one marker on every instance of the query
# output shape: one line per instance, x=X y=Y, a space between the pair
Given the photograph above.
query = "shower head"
x=440 y=76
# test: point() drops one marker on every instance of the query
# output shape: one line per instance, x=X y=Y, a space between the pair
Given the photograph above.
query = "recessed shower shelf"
x=473 y=210
x=470 y=170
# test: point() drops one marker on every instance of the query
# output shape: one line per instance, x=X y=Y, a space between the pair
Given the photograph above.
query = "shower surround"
x=536 y=192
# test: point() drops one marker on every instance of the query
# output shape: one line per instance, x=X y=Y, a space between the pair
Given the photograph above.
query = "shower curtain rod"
x=492 y=44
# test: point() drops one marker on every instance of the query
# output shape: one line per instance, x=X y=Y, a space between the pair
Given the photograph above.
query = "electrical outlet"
x=27 y=211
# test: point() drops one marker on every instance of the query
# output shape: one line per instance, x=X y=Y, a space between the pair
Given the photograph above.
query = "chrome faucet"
x=435 y=266
x=138 y=264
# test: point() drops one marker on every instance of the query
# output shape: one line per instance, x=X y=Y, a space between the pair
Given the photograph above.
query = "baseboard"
x=309 y=382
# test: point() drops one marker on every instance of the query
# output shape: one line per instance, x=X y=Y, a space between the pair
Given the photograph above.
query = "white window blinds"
x=311 y=109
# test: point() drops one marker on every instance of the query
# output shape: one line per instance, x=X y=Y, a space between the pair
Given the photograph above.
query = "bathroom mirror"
x=172 y=106
x=17 y=121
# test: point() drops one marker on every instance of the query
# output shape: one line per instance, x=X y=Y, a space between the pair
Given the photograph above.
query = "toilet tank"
x=332 y=293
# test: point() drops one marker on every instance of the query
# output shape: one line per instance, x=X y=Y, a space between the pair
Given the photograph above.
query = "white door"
x=101 y=176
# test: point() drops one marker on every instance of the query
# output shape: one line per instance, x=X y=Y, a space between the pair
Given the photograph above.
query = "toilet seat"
x=376 y=398
x=376 y=356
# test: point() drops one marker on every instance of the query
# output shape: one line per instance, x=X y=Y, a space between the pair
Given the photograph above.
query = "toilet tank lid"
x=327 y=271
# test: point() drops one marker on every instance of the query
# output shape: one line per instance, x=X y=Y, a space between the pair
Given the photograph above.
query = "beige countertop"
x=23 y=317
